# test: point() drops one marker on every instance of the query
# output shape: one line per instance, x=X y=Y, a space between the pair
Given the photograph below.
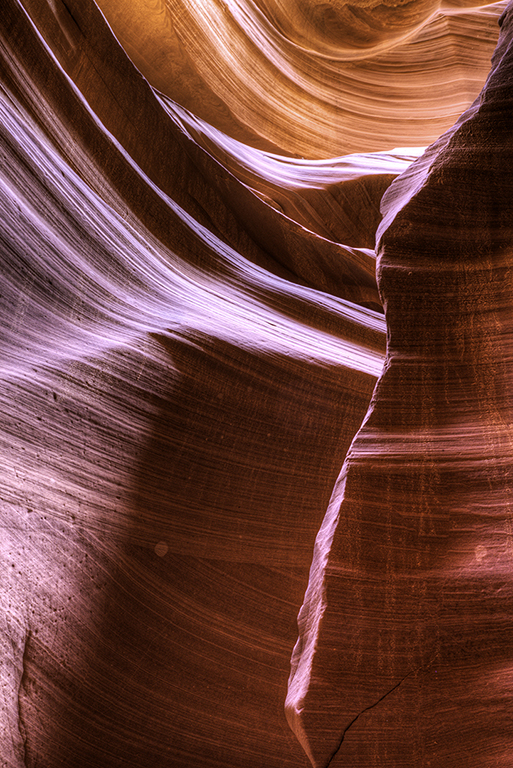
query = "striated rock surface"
x=314 y=79
x=190 y=335
x=173 y=415
x=404 y=656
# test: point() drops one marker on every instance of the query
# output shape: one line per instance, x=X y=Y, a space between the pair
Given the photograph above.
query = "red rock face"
x=404 y=656
x=190 y=335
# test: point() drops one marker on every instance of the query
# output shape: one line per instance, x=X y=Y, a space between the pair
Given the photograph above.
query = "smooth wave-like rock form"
x=404 y=656
x=190 y=334
x=182 y=368
x=311 y=78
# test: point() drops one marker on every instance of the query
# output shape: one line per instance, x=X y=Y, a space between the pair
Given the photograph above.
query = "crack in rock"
x=353 y=721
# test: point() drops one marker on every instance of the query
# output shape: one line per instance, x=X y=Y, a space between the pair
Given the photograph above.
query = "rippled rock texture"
x=404 y=656
x=191 y=333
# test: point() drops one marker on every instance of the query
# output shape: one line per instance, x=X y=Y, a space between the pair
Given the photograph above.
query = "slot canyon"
x=256 y=449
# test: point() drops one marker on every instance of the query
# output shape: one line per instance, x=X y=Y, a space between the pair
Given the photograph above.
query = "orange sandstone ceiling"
x=313 y=79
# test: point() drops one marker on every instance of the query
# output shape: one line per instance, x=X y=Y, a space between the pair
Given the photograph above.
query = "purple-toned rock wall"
x=191 y=331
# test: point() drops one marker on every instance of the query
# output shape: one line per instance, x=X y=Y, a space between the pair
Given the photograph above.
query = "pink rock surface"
x=191 y=332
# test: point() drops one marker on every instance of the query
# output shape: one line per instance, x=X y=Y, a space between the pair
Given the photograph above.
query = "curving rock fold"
x=190 y=335
x=314 y=79
x=404 y=654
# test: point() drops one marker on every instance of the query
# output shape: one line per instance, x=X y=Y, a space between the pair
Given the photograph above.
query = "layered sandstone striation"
x=314 y=79
x=172 y=414
x=404 y=656
x=190 y=335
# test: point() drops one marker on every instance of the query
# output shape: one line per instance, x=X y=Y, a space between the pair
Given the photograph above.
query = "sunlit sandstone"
x=190 y=335
x=404 y=655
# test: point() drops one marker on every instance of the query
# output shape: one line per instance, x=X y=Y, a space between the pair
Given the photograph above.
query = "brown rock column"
x=404 y=656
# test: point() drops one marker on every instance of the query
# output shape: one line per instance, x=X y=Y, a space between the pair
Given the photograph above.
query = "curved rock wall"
x=191 y=332
x=314 y=79
x=404 y=653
